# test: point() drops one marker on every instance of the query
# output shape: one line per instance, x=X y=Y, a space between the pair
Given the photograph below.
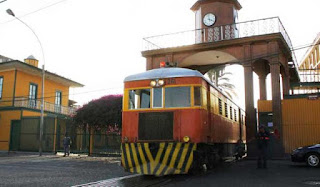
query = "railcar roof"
x=161 y=73
x=164 y=73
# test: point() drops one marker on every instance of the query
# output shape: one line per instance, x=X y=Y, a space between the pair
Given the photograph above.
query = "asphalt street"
x=52 y=170
x=56 y=170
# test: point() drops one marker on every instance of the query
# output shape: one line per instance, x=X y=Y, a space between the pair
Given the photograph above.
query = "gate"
x=15 y=135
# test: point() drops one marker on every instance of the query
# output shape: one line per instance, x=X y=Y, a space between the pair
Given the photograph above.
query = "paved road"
x=50 y=170
x=244 y=173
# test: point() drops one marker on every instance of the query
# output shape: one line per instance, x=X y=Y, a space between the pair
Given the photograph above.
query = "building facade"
x=20 y=105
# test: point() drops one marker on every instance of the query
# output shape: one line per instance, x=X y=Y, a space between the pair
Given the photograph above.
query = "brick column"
x=249 y=100
x=276 y=95
x=263 y=88
x=149 y=64
x=285 y=84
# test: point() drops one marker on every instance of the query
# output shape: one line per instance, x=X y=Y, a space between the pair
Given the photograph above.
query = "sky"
x=99 y=42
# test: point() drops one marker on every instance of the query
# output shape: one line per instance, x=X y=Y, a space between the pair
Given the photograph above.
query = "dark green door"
x=15 y=135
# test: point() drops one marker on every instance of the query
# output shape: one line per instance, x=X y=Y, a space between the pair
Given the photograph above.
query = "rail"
x=49 y=107
x=220 y=33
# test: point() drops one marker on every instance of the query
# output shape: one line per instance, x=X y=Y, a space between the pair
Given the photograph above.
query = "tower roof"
x=200 y=2
x=31 y=57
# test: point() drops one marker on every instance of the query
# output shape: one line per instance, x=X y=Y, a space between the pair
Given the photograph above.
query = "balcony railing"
x=48 y=107
x=220 y=33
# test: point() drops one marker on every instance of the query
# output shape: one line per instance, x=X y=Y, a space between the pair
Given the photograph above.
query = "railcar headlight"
x=153 y=83
x=161 y=82
x=125 y=139
x=186 y=139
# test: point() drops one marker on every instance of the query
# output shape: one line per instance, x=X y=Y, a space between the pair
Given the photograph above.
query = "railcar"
x=175 y=121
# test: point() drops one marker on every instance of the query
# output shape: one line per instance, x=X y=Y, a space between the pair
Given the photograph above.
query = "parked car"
x=308 y=154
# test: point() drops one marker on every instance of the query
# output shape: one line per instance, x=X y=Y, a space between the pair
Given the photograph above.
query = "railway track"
x=130 y=181
x=142 y=180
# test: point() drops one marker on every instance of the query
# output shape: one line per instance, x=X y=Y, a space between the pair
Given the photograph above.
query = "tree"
x=219 y=77
x=102 y=113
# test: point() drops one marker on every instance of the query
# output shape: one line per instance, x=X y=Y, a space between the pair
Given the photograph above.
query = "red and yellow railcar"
x=175 y=120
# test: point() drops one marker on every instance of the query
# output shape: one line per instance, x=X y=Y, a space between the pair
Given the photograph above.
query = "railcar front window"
x=139 y=99
x=177 y=97
x=197 y=96
x=157 y=97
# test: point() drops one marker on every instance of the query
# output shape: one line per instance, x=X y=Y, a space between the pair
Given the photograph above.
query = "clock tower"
x=213 y=13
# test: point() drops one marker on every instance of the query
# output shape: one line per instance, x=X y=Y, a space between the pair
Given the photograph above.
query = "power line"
x=230 y=62
x=25 y=98
x=35 y=11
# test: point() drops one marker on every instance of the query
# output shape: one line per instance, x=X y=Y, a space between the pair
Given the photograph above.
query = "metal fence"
x=25 y=137
x=80 y=137
x=106 y=144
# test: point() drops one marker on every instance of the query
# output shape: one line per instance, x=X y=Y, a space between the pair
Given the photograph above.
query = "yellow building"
x=20 y=102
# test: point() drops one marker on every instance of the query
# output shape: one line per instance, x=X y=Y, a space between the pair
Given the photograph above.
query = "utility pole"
x=10 y=12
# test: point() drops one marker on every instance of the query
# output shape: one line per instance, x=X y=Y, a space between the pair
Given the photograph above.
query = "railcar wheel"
x=313 y=160
x=198 y=163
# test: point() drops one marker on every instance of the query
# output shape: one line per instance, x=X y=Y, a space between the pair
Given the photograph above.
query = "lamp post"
x=10 y=12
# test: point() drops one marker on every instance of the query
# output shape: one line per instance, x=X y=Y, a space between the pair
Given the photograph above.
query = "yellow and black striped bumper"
x=157 y=158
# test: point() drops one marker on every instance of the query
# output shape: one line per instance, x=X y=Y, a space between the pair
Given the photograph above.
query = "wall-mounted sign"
x=312 y=97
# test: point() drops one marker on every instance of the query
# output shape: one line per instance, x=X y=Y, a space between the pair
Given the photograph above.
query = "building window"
x=139 y=99
x=226 y=110
x=220 y=107
x=1 y=86
x=177 y=97
x=231 y=111
x=58 y=101
x=33 y=92
x=157 y=98
x=197 y=96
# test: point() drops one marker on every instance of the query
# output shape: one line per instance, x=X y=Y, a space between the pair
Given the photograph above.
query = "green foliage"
x=100 y=113
x=219 y=77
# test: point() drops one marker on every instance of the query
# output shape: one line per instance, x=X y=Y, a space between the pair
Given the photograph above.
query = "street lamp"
x=10 y=12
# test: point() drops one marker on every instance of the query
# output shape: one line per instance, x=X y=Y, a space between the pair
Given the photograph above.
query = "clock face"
x=209 y=19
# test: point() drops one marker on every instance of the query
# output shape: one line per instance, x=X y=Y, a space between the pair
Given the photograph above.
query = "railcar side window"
x=235 y=115
x=226 y=110
x=139 y=99
x=220 y=107
x=197 y=96
x=231 y=111
x=177 y=97
x=157 y=97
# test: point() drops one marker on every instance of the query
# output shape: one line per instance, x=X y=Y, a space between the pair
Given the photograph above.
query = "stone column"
x=263 y=88
x=276 y=95
x=249 y=100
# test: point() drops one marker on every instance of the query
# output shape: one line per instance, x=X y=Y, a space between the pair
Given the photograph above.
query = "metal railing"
x=220 y=33
x=49 y=107
x=310 y=75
